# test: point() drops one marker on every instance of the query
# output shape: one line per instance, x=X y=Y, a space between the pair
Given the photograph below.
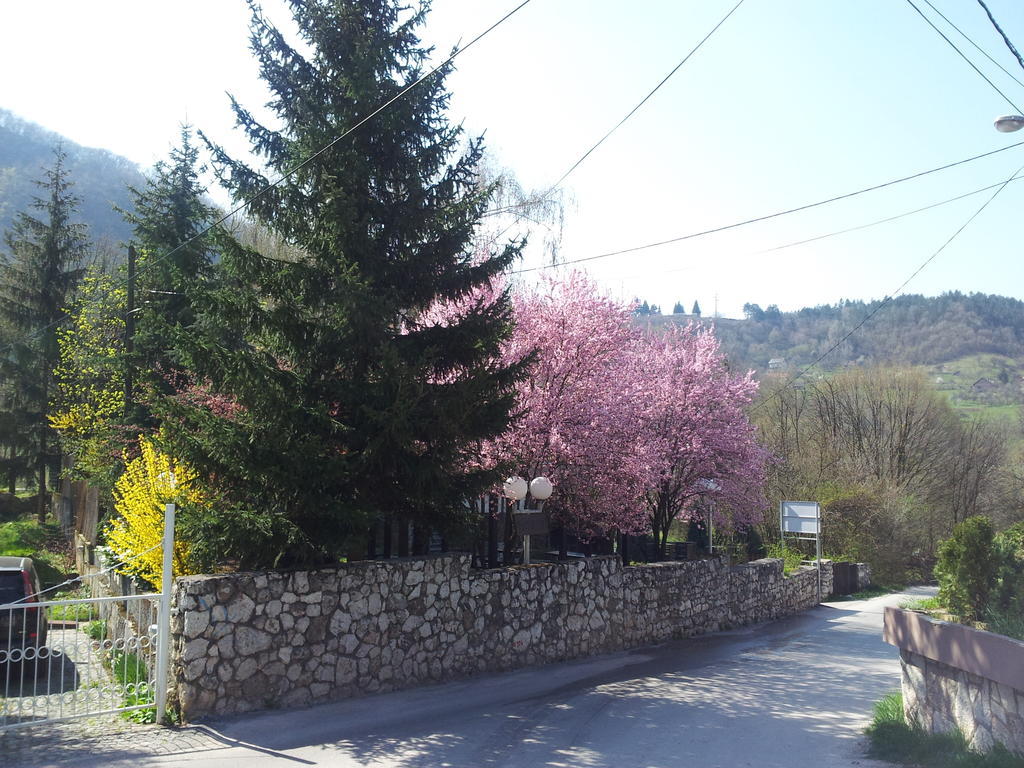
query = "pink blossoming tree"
x=703 y=444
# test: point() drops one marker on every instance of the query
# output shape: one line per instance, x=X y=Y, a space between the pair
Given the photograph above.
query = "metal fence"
x=96 y=652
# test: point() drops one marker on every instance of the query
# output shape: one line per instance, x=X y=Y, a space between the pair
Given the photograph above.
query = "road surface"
x=795 y=693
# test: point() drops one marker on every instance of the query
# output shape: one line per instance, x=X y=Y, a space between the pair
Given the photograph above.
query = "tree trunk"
x=371 y=543
x=492 y=536
x=41 y=498
x=403 y=537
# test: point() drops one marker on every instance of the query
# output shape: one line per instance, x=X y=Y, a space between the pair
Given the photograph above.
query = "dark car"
x=22 y=625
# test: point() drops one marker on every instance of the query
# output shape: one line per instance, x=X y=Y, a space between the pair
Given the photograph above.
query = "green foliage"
x=168 y=223
x=917 y=330
x=95 y=630
x=966 y=568
x=892 y=739
x=332 y=392
x=1005 y=623
x=44 y=543
x=88 y=403
x=130 y=669
x=1007 y=599
x=38 y=273
x=791 y=558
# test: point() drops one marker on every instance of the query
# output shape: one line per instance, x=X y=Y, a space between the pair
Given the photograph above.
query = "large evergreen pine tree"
x=349 y=402
x=38 y=273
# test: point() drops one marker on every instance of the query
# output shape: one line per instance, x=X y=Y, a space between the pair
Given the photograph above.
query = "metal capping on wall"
x=981 y=653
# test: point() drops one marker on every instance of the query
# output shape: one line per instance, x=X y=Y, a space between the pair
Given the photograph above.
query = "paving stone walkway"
x=100 y=741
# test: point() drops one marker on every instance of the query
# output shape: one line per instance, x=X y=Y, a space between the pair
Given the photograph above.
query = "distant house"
x=984 y=385
x=777 y=364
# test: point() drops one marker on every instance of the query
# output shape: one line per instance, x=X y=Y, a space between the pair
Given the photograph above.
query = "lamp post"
x=711 y=486
x=1009 y=123
x=528 y=521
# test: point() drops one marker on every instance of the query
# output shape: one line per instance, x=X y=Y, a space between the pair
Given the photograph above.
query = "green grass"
x=129 y=669
x=45 y=544
x=895 y=741
x=95 y=630
x=922 y=604
x=77 y=612
x=875 y=590
x=1009 y=624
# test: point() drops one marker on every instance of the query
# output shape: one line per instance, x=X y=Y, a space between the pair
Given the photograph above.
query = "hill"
x=100 y=177
x=910 y=330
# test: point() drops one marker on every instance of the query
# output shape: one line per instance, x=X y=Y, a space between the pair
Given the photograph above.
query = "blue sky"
x=790 y=102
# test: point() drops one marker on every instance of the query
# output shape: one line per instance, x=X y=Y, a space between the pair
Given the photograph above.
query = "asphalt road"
x=793 y=693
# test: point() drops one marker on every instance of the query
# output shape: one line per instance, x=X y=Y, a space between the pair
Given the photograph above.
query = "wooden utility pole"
x=129 y=333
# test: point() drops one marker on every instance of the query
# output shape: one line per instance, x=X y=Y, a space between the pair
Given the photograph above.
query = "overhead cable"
x=980 y=50
x=633 y=111
x=963 y=56
x=839 y=232
x=769 y=216
x=884 y=302
x=1011 y=46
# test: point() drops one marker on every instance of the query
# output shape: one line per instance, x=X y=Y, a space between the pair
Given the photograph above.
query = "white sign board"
x=801 y=517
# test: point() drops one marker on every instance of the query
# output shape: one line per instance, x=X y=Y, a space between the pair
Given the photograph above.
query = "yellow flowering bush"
x=149 y=482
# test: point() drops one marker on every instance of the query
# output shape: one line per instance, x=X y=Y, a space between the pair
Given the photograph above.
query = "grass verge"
x=896 y=742
x=875 y=590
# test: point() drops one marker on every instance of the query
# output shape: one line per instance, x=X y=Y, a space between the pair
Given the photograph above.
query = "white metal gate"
x=96 y=653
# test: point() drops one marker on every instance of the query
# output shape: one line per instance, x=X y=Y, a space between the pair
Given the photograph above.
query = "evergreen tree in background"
x=696 y=309
x=38 y=273
x=168 y=215
x=678 y=308
x=106 y=382
x=332 y=397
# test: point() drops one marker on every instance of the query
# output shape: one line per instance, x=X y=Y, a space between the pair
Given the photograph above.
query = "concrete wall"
x=248 y=641
x=957 y=677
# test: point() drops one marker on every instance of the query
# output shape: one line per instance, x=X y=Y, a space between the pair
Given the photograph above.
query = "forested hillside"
x=100 y=177
x=910 y=330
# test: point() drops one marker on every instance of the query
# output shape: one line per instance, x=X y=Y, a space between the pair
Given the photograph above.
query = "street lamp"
x=1009 y=123
x=528 y=522
x=711 y=486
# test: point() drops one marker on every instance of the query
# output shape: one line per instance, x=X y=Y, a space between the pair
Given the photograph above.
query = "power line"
x=887 y=219
x=980 y=50
x=618 y=125
x=1002 y=34
x=643 y=101
x=889 y=297
x=288 y=174
x=857 y=228
x=962 y=55
x=769 y=216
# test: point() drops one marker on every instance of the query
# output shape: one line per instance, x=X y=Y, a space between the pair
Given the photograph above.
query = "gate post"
x=164 y=619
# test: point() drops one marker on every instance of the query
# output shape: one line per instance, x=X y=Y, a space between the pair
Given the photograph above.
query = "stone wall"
x=959 y=677
x=942 y=698
x=247 y=641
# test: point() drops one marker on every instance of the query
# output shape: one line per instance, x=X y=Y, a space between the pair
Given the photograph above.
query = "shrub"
x=966 y=568
x=1008 y=588
x=150 y=482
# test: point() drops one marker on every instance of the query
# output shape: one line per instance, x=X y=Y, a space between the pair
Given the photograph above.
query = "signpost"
x=804 y=519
